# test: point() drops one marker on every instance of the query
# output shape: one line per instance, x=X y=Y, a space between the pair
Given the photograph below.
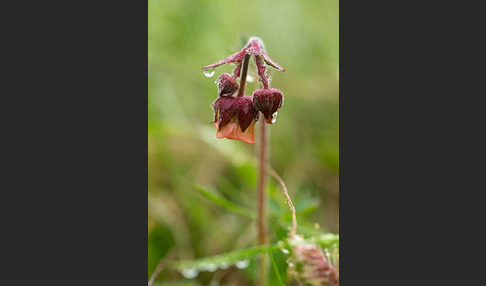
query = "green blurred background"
x=183 y=36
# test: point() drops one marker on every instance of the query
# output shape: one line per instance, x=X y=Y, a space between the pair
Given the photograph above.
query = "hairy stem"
x=262 y=177
x=261 y=199
x=293 y=230
x=244 y=72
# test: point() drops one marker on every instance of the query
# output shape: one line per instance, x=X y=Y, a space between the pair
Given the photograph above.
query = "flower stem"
x=244 y=72
x=261 y=199
x=262 y=179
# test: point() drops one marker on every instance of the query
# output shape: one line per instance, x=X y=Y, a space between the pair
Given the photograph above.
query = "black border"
x=74 y=192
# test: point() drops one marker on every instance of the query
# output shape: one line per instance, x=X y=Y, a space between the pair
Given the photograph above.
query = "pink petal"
x=233 y=131
x=228 y=131
x=248 y=136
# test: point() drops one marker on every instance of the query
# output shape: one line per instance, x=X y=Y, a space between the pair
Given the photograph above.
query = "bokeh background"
x=184 y=157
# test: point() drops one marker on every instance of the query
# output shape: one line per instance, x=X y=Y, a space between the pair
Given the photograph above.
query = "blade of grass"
x=226 y=258
x=276 y=269
x=326 y=240
x=215 y=198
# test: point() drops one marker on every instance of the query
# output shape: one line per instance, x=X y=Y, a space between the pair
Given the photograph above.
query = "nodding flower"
x=235 y=113
x=235 y=117
x=268 y=101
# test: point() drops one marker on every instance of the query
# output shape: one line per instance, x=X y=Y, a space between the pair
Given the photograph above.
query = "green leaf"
x=217 y=199
x=225 y=260
x=276 y=269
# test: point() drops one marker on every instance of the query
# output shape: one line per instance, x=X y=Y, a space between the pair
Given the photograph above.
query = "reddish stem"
x=262 y=175
x=261 y=194
x=261 y=198
x=244 y=72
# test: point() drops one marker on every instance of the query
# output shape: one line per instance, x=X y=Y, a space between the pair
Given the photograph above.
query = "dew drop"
x=291 y=264
x=189 y=273
x=274 y=117
x=224 y=265
x=249 y=78
x=211 y=267
x=209 y=72
x=242 y=264
x=327 y=254
x=205 y=267
x=285 y=251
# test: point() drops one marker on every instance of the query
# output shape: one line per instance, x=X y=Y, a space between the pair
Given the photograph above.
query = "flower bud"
x=268 y=101
x=227 y=85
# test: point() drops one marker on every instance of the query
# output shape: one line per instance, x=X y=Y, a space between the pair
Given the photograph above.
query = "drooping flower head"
x=234 y=112
x=268 y=101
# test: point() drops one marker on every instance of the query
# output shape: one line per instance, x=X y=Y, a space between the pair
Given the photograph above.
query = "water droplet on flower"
x=189 y=273
x=249 y=78
x=285 y=251
x=274 y=117
x=327 y=254
x=209 y=72
x=242 y=264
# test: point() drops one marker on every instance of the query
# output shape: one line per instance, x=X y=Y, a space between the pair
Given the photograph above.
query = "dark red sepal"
x=246 y=111
x=227 y=110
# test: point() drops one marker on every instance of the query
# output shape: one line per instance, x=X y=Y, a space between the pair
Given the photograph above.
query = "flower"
x=268 y=101
x=226 y=85
x=234 y=118
x=310 y=266
x=234 y=113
